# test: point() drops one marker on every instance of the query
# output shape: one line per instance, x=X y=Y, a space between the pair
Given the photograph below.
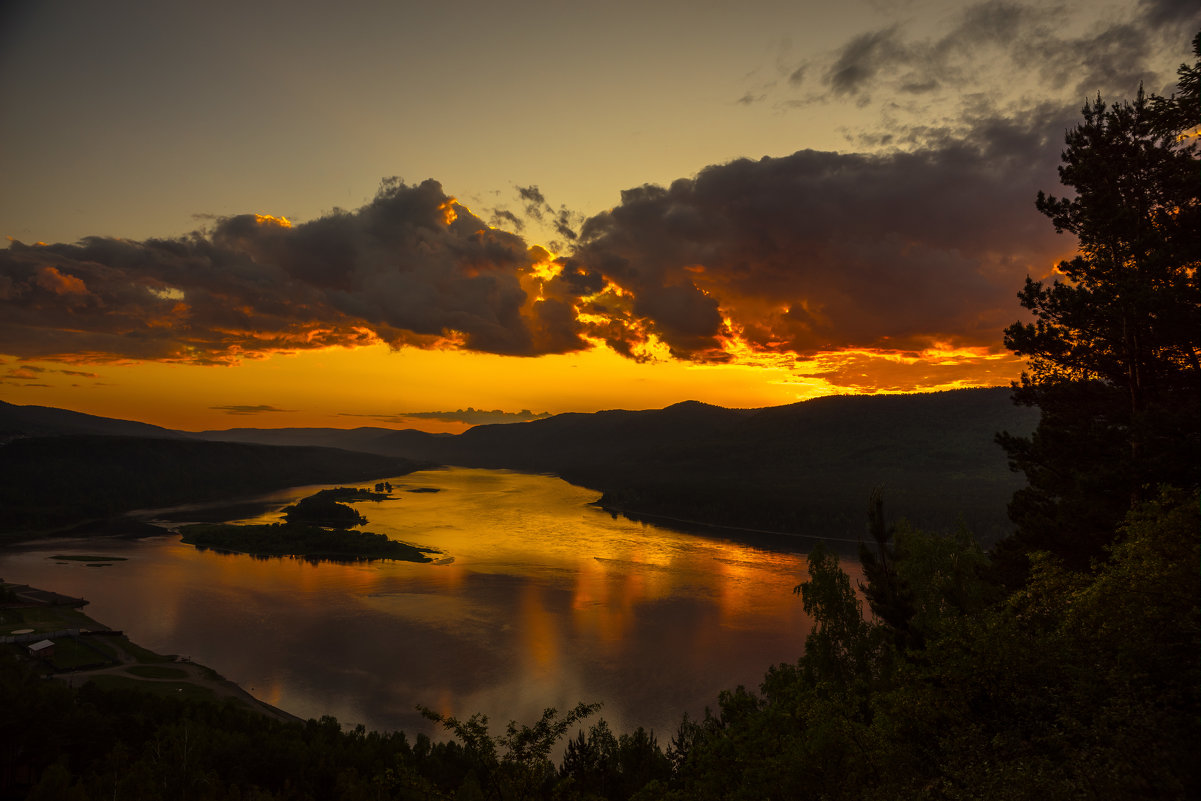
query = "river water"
x=538 y=599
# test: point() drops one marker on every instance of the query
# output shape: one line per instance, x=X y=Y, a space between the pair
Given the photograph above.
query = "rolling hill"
x=806 y=468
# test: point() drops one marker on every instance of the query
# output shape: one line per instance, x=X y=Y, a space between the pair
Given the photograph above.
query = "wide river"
x=538 y=599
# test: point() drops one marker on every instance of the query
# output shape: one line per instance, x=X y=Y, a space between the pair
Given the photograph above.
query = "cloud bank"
x=412 y=267
x=822 y=251
x=800 y=254
x=914 y=248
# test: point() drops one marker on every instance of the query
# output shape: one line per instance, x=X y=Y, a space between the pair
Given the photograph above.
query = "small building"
x=42 y=649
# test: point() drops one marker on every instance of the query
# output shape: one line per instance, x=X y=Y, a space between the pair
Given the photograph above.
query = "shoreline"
x=125 y=663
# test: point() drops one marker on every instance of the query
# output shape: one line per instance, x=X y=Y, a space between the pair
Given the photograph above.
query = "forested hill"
x=50 y=482
x=805 y=468
x=43 y=421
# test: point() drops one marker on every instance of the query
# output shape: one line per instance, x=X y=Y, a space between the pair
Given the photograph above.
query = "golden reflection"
x=272 y=694
x=538 y=633
x=445 y=704
x=596 y=613
x=750 y=589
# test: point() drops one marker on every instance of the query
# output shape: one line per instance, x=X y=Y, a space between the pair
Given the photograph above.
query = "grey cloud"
x=1025 y=41
x=1183 y=14
x=534 y=201
x=505 y=217
x=820 y=250
x=862 y=58
x=576 y=280
x=411 y=267
x=563 y=221
x=248 y=410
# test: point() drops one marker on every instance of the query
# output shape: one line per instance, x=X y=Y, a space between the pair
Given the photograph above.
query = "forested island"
x=293 y=539
x=317 y=528
x=1064 y=663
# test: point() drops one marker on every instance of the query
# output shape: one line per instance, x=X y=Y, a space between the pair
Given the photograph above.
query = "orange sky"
x=203 y=232
x=340 y=388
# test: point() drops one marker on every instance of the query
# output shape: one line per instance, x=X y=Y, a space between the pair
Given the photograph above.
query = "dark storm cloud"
x=411 y=267
x=819 y=250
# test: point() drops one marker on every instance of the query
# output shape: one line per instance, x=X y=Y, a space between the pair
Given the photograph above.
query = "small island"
x=311 y=542
x=317 y=528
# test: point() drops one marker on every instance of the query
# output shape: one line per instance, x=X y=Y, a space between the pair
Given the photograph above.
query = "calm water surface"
x=539 y=600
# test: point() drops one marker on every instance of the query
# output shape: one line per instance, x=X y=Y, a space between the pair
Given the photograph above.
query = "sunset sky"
x=230 y=214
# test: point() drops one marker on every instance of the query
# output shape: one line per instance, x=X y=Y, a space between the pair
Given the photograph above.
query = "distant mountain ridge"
x=806 y=468
x=47 y=421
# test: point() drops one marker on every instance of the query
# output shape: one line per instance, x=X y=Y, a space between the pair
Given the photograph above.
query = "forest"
x=1063 y=663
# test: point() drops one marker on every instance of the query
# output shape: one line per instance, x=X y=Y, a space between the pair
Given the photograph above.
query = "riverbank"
x=84 y=650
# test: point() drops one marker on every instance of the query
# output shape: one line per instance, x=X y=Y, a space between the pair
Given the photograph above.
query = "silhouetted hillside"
x=354 y=439
x=49 y=482
x=807 y=468
x=804 y=468
x=47 y=421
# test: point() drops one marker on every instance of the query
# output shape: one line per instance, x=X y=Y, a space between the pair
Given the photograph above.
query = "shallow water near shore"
x=538 y=599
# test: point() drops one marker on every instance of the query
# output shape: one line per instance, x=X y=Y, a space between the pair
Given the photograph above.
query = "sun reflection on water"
x=543 y=600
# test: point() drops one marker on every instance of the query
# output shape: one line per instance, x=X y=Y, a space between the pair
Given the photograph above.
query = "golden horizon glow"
x=339 y=387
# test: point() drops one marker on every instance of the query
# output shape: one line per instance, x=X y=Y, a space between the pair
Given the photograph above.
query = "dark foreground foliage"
x=1113 y=351
x=1081 y=685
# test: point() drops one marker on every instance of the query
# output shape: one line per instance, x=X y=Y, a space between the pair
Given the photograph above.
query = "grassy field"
x=156 y=672
x=174 y=689
x=45 y=618
x=71 y=654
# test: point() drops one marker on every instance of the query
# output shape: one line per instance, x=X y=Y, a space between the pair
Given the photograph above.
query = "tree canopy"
x=1113 y=347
